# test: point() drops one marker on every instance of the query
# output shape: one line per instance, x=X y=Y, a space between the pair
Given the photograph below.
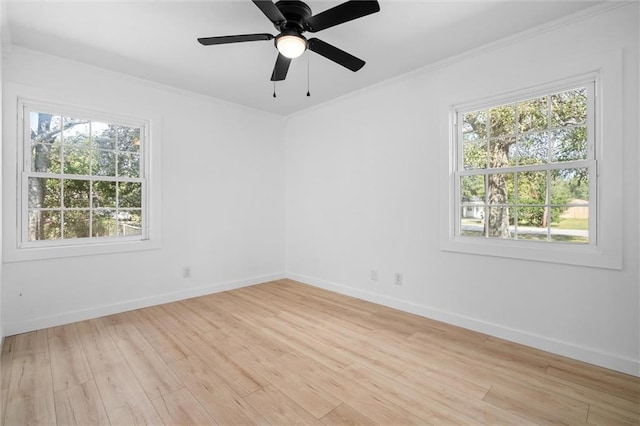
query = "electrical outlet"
x=186 y=272
x=374 y=275
x=398 y=278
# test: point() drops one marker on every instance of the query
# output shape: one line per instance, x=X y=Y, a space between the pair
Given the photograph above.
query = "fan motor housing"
x=296 y=12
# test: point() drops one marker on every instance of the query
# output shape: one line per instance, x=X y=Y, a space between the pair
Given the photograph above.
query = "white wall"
x=2 y=41
x=363 y=193
x=222 y=194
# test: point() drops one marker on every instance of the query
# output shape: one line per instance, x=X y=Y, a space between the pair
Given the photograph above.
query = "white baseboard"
x=589 y=355
x=18 y=327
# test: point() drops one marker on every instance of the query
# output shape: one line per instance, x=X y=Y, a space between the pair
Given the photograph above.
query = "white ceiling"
x=156 y=40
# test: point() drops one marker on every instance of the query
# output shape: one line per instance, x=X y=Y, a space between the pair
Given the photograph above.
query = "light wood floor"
x=285 y=353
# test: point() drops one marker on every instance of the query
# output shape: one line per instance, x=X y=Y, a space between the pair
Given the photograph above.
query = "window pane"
x=474 y=126
x=499 y=150
x=45 y=142
x=500 y=188
x=570 y=186
x=498 y=222
x=128 y=138
x=130 y=194
x=36 y=192
x=473 y=208
x=77 y=161
x=472 y=220
x=130 y=222
x=569 y=144
x=105 y=163
x=472 y=189
x=76 y=224
x=532 y=223
x=44 y=193
x=532 y=187
x=44 y=225
x=76 y=193
x=475 y=154
x=572 y=226
x=533 y=149
x=76 y=132
x=503 y=119
x=45 y=157
x=532 y=115
x=103 y=137
x=104 y=194
x=104 y=224
x=570 y=213
x=129 y=165
x=533 y=220
x=569 y=108
x=45 y=128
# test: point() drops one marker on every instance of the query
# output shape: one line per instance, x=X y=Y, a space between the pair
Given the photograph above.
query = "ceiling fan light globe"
x=291 y=46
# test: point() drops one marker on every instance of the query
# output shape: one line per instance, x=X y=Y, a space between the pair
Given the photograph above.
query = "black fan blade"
x=208 y=41
x=341 y=13
x=270 y=11
x=280 y=69
x=336 y=55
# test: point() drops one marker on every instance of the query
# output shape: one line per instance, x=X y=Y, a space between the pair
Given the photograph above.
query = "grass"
x=569 y=224
x=581 y=224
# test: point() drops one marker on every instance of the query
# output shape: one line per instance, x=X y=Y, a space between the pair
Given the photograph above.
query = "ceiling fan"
x=292 y=18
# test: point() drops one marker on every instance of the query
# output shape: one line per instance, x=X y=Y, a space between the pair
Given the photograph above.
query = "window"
x=83 y=177
x=551 y=153
x=525 y=168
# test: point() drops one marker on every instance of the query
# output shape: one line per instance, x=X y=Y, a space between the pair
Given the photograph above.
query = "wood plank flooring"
x=285 y=353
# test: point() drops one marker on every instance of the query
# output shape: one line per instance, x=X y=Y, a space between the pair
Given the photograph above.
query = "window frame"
x=606 y=250
x=458 y=111
x=149 y=167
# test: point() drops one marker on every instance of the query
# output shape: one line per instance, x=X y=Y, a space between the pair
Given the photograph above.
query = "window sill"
x=26 y=254
x=579 y=255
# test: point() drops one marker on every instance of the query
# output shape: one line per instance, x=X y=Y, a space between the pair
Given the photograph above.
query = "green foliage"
x=473 y=188
x=569 y=144
x=569 y=108
x=475 y=154
x=532 y=148
x=130 y=194
x=575 y=187
x=502 y=121
x=532 y=115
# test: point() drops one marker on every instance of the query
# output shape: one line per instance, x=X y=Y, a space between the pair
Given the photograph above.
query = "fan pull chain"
x=308 y=66
x=274 y=88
